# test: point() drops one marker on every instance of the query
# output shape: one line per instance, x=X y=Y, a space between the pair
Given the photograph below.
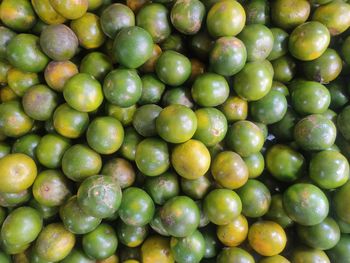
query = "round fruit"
x=47 y=13
x=96 y=64
x=156 y=249
x=121 y=170
x=144 y=119
x=17 y=14
x=234 y=109
x=340 y=200
x=234 y=254
x=58 y=72
x=234 y=233
x=70 y=9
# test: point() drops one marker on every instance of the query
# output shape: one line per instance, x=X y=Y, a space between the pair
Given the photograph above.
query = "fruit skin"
x=267 y=238
x=39 y=102
x=191 y=159
x=245 y=138
x=284 y=163
x=12 y=200
x=51 y=188
x=225 y=18
x=258 y=40
x=156 y=249
x=340 y=200
x=334 y=15
x=274 y=259
x=152 y=89
x=100 y=243
x=210 y=90
x=173 y=68
x=6 y=35
x=121 y=170
x=315 y=132
x=70 y=9
x=18 y=172
x=280 y=43
x=96 y=64
x=309 y=41
x=302 y=254
x=234 y=109
x=329 y=169
x=80 y=162
x=234 y=254
x=277 y=212
x=187 y=16
x=54 y=242
x=306 y=204
x=254 y=81
x=188 y=249
x=229 y=170
x=105 y=135
x=26 y=144
x=24 y=53
x=77 y=255
x=257 y=12
x=132 y=46
x=182 y=223
x=59 y=42
x=162 y=187
x=176 y=123
x=234 y=233
x=58 y=72
x=129 y=146
x=211 y=126
x=289 y=14
x=154 y=18
x=339 y=253
x=137 y=207
x=255 y=164
x=50 y=150
x=122 y=87
x=131 y=236
x=116 y=17
x=83 y=92
x=75 y=219
x=47 y=13
x=21 y=226
x=342 y=122
x=152 y=156
x=124 y=115
x=144 y=119
x=222 y=206
x=323 y=236
x=228 y=56
x=197 y=188
x=88 y=30
x=17 y=15
x=106 y=198
x=20 y=81
x=13 y=121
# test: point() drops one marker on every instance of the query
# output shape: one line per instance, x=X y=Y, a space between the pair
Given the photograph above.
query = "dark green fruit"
x=234 y=254
x=277 y=212
x=144 y=120
x=131 y=236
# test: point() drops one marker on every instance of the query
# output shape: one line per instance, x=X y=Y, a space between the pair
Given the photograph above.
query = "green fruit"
x=27 y=144
x=228 y=56
x=75 y=219
x=284 y=163
x=280 y=43
x=284 y=69
x=188 y=249
x=338 y=94
x=144 y=120
x=18 y=172
x=21 y=226
x=305 y=204
x=116 y=17
x=50 y=150
x=137 y=207
x=255 y=197
x=131 y=236
x=225 y=18
x=245 y=138
x=51 y=188
x=323 y=236
x=100 y=243
x=340 y=252
x=54 y=242
x=173 y=68
x=47 y=13
x=131 y=140
x=180 y=216
x=201 y=44
x=156 y=249
x=70 y=9
x=152 y=156
x=258 y=40
x=302 y=254
x=154 y=18
x=59 y=42
x=179 y=95
x=14 y=199
x=13 y=120
x=80 y=162
x=284 y=128
x=39 y=102
x=277 y=212
x=254 y=81
x=122 y=87
x=229 y=170
x=315 y=132
x=197 y=188
x=24 y=53
x=77 y=256
x=255 y=164
x=152 y=89
x=106 y=197
x=6 y=35
x=191 y=159
x=20 y=81
x=58 y=72
x=234 y=254
x=121 y=170
x=329 y=169
x=257 y=12
x=309 y=41
x=17 y=14
x=96 y=64
x=83 y=92
x=132 y=46
x=124 y=115
x=187 y=16
x=4 y=149
x=163 y=187
x=222 y=206
x=340 y=200
x=210 y=90
x=342 y=122
x=234 y=109
x=105 y=135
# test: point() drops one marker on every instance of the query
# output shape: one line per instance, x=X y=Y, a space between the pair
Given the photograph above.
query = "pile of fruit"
x=174 y=131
